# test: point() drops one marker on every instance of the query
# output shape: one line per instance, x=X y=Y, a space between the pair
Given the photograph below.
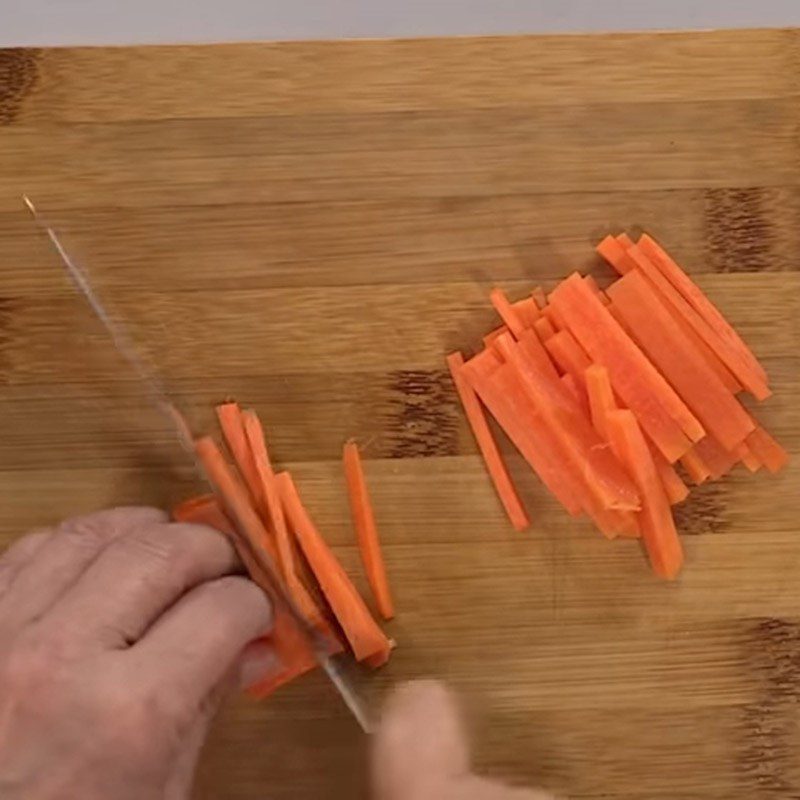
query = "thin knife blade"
x=159 y=397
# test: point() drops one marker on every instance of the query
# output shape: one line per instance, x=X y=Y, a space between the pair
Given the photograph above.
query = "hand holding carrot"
x=119 y=634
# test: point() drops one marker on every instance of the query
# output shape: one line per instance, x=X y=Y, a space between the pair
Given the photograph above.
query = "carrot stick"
x=365 y=637
x=578 y=392
x=544 y=328
x=606 y=481
x=748 y=457
x=534 y=352
x=539 y=297
x=719 y=460
x=203 y=510
x=602 y=402
x=767 y=450
x=614 y=252
x=230 y=421
x=492 y=458
x=507 y=312
x=599 y=293
x=554 y=315
x=694 y=465
x=568 y=355
x=492 y=335
x=655 y=519
x=739 y=361
x=707 y=310
x=640 y=386
x=527 y=312
x=366 y=531
x=673 y=353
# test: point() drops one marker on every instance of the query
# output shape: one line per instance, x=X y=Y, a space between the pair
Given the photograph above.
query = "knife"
x=273 y=584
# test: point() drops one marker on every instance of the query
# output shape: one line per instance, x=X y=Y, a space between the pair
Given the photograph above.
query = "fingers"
x=58 y=564
x=420 y=743
x=18 y=554
x=194 y=645
x=135 y=579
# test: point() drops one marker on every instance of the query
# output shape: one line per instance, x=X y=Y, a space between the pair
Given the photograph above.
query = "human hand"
x=119 y=634
x=421 y=751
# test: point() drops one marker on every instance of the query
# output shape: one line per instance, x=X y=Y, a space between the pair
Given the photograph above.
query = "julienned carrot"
x=614 y=252
x=527 y=311
x=534 y=351
x=366 y=639
x=492 y=335
x=655 y=519
x=578 y=392
x=696 y=468
x=544 y=328
x=637 y=382
x=230 y=421
x=568 y=355
x=507 y=312
x=369 y=544
x=605 y=480
x=718 y=460
x=694 y=295
x=673 y=353
x=748 y=457
x=736 y=359
x=539 y=297
x=592 y=284
x=767 y=450
x=602 y=402
x=554 y=315
x=492 y=458
x=499 y=390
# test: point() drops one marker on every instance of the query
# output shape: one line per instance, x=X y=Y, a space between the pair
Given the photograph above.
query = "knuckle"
x=29 y=666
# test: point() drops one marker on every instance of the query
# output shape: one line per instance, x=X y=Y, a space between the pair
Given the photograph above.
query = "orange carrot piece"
x=696 y=468
x=578 y=392
x=203 y=510
x=492 y=459
x=675 y=356
x=614 y=252
x=544 y=328
x=747 y=457
x=365 y=637
x=230 y=421
x=527 y=312
x=369 y=544
x=492 y=335
x=602 y=402
x=607 y=482
x=592 y=284
x=637 y=382
x=535 y=353
x=510 y=316
x=734 y=358
x=539 y=297
x=554 y=315
x=767 y=450
x=719 y=460
x=707 y=310
x=500 y=392
x=568 y=355
x=655 y=519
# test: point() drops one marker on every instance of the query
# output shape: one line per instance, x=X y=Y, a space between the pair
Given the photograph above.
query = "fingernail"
x=258 y=662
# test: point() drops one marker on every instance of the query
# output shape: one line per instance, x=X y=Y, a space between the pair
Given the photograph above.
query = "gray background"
x=63 y=22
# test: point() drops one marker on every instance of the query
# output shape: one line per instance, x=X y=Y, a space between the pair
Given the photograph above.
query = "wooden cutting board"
x=310 y=227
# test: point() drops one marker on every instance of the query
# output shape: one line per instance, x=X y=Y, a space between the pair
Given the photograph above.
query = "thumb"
x=420 y=744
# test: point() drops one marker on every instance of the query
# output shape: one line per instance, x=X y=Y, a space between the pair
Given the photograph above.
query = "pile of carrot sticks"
x=606 y=392
x=254 y=501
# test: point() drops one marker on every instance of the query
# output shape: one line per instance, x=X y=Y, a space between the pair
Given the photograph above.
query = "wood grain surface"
x=310 y=227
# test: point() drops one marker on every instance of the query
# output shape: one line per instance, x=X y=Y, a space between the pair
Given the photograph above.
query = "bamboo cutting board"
x=309 y=228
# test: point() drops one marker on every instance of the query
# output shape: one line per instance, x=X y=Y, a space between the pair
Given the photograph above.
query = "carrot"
x=568 y=355
x=696 y=468
x=365 y=637
x=637 y=382
x=767 y=450
x=492 y=458
x=578 y=392
x=203 y=510
x=544 y=328
x=539 y=297
x=601 y=403
x=527 y=311
x=554 y=315
x=655 y=519
x=510 y=316
x=492 y=335
x=606 y=481
x=660 y=273
x=500 y=392
x=707 y=310
x=230 y=421
x=614 y=252
x=718 y=460
x=747 y=457
x=535 y=353
x=366 y=531
x=592 y=284
x=676 y=358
